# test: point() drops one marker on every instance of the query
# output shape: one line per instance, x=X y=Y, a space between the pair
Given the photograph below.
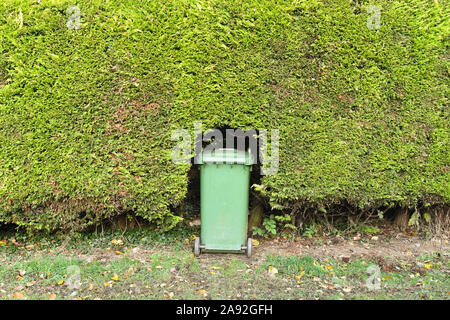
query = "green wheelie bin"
x=224 y=191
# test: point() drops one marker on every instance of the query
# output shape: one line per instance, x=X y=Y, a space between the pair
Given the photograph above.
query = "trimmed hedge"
x=86 y=115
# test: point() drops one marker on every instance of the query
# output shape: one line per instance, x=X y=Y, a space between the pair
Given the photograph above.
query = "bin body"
x=224 y=192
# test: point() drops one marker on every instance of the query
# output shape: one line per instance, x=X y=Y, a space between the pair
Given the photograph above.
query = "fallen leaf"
x=52 y=296
x=117 y=242
x=255 y=242
x=272 y=271
x=18 y=295
x=201 y=292
x=115 y=277
x=60 y=282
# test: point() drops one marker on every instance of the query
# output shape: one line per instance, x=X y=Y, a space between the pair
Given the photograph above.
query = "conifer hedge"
x=86 y=114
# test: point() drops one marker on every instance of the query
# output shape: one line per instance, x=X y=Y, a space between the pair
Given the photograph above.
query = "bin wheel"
x=249 y=247
x=197 y=247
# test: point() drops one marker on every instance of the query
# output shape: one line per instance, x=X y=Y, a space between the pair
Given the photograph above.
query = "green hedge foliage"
x=86 y=115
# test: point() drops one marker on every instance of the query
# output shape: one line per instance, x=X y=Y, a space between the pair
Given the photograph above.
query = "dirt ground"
x=402 y=247
x=411 y=266
x=398 y=247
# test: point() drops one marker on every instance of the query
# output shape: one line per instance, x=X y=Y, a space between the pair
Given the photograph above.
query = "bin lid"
x=226 y=156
